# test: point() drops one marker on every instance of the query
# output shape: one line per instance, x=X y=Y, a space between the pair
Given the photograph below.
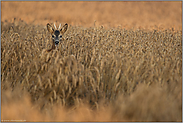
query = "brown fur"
x=52 y=30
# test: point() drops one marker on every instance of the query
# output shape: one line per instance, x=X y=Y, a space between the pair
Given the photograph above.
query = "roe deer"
x=56 y=34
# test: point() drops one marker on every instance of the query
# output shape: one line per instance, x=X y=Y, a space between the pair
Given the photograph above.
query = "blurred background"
x=147 y=15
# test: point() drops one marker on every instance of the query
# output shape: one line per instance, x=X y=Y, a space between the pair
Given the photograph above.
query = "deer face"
x=57 y=33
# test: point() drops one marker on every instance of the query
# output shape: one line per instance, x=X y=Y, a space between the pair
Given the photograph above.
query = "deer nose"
x=56 y=42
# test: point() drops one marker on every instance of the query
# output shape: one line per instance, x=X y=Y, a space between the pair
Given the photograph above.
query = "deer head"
x=57 y=34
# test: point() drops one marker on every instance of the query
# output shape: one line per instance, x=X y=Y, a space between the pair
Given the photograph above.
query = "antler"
x=55 y=26
x=59 y=27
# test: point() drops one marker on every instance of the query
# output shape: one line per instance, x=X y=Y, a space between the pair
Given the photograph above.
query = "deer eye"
x=60 y=36
x=53 y=36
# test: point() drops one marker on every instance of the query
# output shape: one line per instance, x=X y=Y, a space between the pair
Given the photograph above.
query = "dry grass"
x=127 y=14
x=97 y=74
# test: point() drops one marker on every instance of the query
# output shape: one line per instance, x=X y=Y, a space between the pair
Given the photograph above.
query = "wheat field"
x=118 y=61
x=97 y=74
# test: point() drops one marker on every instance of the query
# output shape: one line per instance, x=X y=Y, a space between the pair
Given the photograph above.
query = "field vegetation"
x=97 y=74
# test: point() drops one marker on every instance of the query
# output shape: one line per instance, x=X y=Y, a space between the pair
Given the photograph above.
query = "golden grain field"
x=127 y=14
x=119 y=61
x=97 y=74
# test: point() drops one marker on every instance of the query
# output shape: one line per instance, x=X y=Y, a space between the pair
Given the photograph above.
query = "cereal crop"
x=97 y=74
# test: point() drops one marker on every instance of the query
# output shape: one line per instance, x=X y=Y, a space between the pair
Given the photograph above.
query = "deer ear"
x=50 y=28
x=64 y=28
